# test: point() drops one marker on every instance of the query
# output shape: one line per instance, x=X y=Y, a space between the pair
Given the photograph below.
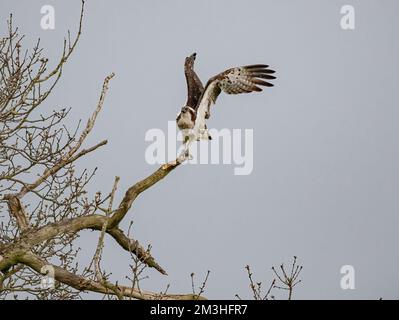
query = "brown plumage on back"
x=186 y=118
x=194 y=84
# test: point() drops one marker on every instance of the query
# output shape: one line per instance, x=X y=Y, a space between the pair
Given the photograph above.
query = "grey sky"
x=325 y=180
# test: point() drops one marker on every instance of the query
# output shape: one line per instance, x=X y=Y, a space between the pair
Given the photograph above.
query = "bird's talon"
x=187 y=155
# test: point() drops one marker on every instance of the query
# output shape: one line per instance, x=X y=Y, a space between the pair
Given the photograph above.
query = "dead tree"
x=43 y=199
x=283 y=279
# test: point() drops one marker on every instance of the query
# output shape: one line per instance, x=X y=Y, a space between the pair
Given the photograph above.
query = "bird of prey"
x=186 y=118
x=192 y=117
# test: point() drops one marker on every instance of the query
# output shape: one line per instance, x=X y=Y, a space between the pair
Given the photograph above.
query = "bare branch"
x=17 y=209
x=134 y=191
x=72 y=226
x=100 y=245
x=68 y=158
x=38 y=156
x=83 y=284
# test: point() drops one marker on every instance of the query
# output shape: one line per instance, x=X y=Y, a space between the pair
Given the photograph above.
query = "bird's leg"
x=186 y=151
x=208 y=112
x=204 y=134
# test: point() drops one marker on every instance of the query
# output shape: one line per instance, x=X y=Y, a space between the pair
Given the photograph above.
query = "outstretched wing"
x=194 y=84
x=232 y=81
x=240 y=80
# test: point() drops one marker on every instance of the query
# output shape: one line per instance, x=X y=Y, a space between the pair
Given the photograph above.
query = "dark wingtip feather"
x=263 y=76
x=259 y=70
x=262 y=71
x=257 y=66
x=260 y=82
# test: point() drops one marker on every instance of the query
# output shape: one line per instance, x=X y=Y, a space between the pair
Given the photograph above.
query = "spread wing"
x=232 y=81
x=237 y=80
x=194 y=84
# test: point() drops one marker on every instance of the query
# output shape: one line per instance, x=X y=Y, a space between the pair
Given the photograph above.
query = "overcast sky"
x=325 y=178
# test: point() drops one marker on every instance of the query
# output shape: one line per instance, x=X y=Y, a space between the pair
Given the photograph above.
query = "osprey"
x=186 y=118
x=245 y=79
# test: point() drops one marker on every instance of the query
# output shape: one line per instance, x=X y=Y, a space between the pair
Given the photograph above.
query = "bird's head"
x=185 y=109
x=186 y=118
x=189 y=110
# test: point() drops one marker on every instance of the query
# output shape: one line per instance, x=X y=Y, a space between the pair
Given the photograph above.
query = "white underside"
x=199 y=132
